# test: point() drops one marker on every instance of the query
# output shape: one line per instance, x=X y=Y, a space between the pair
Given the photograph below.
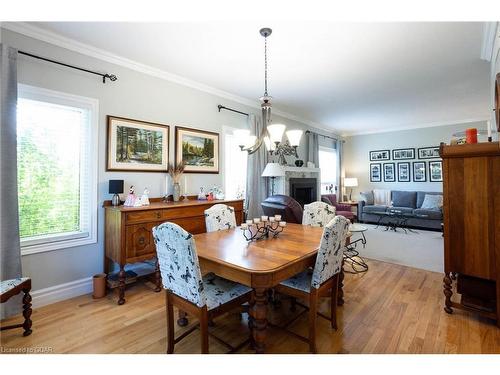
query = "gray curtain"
x=10 y=251
x=256 y=190
x=313 y=148
x=340 y=149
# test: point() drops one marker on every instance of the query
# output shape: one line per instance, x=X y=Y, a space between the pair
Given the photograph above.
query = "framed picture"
x=419 y=174
x=436 y=171
x=403 y=154
x=375 y=172
x=428 y=153
x=389 y=172
x=137 y=146
x=198 y=149
x=404 y=172
x=380 y=155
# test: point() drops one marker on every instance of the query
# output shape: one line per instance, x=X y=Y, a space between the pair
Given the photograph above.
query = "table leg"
x=340 y=293
x=183 y=320
x=121 y=285
x=260 y=319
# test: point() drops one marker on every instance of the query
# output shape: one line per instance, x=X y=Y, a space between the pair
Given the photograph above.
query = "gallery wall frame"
x=428 y=152
x=403 y=154
x=419 y=171
x=375 y=172
x=380 y=155
x=404 y=172
x=389 y=171
x=435 y=171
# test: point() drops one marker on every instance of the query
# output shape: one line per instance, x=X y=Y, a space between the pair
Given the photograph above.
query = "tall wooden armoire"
x=471 y=189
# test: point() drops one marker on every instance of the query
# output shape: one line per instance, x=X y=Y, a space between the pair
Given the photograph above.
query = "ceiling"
x=349 y=77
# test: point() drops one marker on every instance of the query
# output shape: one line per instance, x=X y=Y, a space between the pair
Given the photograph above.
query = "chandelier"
x=272 y=134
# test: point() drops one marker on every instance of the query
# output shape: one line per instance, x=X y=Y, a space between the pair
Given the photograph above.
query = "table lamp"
x=350 y=182
x=273 y=170
x=115 y=188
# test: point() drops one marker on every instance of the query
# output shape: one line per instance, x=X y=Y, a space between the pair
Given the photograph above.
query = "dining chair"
x=204 y=297
x=318 y=214
x=12 y=287
x=220 y=217
x=323 y=280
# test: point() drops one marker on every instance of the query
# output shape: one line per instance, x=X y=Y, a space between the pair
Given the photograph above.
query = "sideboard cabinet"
x=471 y=211
x=129 y=237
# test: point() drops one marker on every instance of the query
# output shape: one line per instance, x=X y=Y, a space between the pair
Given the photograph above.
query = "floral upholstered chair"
x=318 y=214
x=12 y=287
x=324 y=279
x=220 y=217
x=205 y=297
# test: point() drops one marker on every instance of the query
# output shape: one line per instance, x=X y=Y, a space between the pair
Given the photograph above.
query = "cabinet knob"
x=158 y=215
x=141 y=240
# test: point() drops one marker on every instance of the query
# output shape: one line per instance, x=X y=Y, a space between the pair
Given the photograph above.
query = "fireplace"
x=304 y=190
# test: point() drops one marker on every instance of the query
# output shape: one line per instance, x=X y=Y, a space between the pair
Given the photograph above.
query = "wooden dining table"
x=261 y=264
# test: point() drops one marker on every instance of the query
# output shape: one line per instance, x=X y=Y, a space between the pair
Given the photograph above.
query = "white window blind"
x=328 y=166
x=235 y=167
x=56 y=169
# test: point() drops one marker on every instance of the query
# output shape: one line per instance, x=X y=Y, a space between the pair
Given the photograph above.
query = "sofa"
x=340 y=209
x=406 y=202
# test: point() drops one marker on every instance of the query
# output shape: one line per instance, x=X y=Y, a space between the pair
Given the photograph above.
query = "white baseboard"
x=61 y=292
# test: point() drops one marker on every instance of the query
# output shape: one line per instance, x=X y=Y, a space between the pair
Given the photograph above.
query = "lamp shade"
x=273 y=170
x=115 y=186
x=294 y=137
x=276 y=132
x=350 y=182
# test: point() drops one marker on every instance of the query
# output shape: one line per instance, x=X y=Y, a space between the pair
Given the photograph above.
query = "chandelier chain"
x=265 y=66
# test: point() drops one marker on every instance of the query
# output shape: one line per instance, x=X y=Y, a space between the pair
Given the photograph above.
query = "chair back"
x=318 y=214
x=331 y=251
x=220 y=217
x=289 y=209
x=179 y=267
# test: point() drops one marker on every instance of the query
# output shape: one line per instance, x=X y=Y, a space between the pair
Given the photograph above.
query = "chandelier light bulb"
x=276 y=132
x=294 y=137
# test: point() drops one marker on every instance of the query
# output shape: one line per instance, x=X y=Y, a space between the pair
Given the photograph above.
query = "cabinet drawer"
x=193 y=225
x=183 y=212
x=143 y=216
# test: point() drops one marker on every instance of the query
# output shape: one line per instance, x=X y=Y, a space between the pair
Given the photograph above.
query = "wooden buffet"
x=471 y=208
x=128 y=231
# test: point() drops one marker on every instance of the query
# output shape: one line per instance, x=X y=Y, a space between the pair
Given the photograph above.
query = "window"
x=57 y=169
x=328 y=166
x=235 y=167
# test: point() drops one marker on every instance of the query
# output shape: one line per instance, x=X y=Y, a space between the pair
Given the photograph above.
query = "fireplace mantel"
x=282 y=184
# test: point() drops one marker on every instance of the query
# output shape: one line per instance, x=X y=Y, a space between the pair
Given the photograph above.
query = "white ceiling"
x=350 y=77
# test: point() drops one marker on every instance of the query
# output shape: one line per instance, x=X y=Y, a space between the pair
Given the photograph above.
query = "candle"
x=272 y=219
x=256 y=220
x=264 y=218
x=282 y=223
x=185 y=185
x=249 y=222
x=244 y=226
x=471 y=135
x=277 y=217
x=489 y=129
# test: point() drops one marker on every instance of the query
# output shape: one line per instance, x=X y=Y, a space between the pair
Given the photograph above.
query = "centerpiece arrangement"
x=262 y=227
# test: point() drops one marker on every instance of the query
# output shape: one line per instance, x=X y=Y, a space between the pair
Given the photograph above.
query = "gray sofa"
x=406 y=202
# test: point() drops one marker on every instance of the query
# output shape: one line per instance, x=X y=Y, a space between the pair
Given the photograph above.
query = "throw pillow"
x=404 y=198
x=432 y=202
x=367 y=197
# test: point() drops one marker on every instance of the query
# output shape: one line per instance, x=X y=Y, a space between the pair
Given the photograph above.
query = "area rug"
x=423 y=249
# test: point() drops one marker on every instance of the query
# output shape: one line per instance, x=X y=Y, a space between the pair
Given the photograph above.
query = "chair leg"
x=313 y=306
x=204 y=330
x=170 y=324
x=293 y=304
x=27 y=312
x=333 y=303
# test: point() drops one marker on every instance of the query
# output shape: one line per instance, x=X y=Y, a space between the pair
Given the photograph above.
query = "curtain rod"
x=111 y=77
x=321 y=135
x=232 y=110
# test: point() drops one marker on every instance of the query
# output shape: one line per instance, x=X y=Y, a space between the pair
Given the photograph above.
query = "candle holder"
x=262 y=230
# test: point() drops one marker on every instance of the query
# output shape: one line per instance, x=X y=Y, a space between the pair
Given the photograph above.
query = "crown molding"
x=97 y=53
x=488 y=40
x=419 y=126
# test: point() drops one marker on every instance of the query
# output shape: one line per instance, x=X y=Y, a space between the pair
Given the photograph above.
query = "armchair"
x=289 y=209
x=341 y=209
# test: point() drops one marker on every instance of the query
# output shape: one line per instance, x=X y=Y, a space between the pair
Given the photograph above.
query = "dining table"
x=260 y=264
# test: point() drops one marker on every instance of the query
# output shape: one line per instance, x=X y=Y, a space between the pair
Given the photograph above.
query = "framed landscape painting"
x=375 y=172
x=436 y=171
x=137 y=146
x=197 y=149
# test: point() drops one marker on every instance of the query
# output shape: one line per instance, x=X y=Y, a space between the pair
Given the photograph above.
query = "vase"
x=177 y=192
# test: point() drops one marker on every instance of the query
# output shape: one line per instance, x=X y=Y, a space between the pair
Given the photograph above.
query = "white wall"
x=134 y=95
x=357 y=148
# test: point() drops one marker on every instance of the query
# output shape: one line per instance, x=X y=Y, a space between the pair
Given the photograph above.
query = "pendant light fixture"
x=272 y=134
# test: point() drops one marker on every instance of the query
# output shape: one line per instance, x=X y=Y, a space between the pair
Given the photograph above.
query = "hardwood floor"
x=390 y=309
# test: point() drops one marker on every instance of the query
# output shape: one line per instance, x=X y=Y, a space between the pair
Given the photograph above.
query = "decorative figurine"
x=201 y=195
x=131 y=198
x=145 y=198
